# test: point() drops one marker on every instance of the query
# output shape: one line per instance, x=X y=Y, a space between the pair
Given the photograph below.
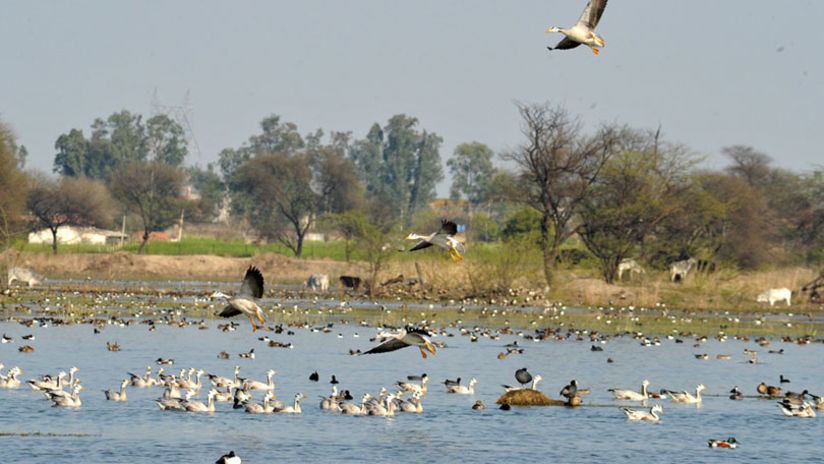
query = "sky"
x=711 y=73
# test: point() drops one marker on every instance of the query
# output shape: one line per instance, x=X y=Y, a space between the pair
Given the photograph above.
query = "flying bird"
x=244 y=303
x=406 y=337
x=444 y=238
x=583 y=32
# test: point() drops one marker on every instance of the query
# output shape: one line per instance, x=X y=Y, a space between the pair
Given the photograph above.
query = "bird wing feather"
x=448 y=227
x=421 y=245
x=565 y=44
x=229 y=311
x=390 y=345
x=252 y=283
x=592 y=13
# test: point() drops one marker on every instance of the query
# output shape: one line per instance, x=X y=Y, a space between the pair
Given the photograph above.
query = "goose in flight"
x=244 y=302
x=583 y=32
x=404 y=338
x=444 y=238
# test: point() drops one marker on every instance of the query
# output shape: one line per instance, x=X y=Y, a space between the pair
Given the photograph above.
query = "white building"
x=69 y=235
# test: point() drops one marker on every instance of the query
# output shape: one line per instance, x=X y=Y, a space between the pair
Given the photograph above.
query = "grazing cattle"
x=318 y=282
x=775 y=294
x=24 y=275
x=629 y=264
x=350 y=282
x=679 y=269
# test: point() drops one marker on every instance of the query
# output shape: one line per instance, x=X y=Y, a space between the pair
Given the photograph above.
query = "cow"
x=318 y=282
x=350 y=282
x=679 y=269
x=24 y=275
x=775 y=294
x=629 y=264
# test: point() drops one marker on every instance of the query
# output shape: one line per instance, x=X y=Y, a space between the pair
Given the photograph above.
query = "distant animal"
x=352 y=282
x=443 y=238
x=230 y=458
x=314 y=377
x=728 y=443
x=113 y=346
x=318 y=282
x=775 y=294
x=583 y=32
x=26 y=275
x=251 y=289
x=523 y=376
x=637 y=415
x=679 y=269
x=629 y=264
x=478 y=406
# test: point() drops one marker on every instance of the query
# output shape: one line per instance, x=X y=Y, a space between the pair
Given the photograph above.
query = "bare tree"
x=557 y=168
x=69 y=201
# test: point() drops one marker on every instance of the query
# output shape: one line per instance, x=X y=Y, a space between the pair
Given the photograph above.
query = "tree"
x=151 y=190
x=120 y=138
x=69 y=201
x=335 y=181
x=14 y=188
x=211 y=188
x=399 y=165
x=748 y=163
x=472 y=172
x=557 y=168
x=166 y=140
x=277 y=191
x=639 y=187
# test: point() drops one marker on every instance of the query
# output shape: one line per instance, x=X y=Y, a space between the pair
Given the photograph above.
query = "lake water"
x=447 y=431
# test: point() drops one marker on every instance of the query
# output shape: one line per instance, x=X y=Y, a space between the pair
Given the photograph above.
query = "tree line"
x=618 y=191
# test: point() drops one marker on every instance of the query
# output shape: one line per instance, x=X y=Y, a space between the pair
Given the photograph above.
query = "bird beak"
x=303 y=396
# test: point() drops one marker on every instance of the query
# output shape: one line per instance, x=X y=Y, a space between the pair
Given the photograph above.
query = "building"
x=70 y=235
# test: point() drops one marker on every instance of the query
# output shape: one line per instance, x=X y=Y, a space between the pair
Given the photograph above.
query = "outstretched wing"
x=390 y=345
x=565 y=44
x=252 y=283
x=229 y=311
x=420 y=245
x=592 y=13
x=448 y=227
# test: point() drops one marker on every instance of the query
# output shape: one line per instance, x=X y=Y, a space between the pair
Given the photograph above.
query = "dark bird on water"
x=783 y=379
x=230 y=458
x=314 y=376
x=571 y=390
x=334 y=380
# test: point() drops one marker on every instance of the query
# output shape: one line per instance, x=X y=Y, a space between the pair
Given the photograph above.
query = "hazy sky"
x=712 y=73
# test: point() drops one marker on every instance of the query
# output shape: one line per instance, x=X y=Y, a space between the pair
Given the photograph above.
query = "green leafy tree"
x=277 y=191
x=641 y=185
x=150 y=190
x=14 y=187
x=166 y=140
x=69 y=201
x=472 y=172
x=399 y=165
x=212 y=190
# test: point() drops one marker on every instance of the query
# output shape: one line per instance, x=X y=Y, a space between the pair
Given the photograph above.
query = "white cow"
x=775 y=294
x=24 y=275
x=679 y=269
x=629 y=264
x=318 y=282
